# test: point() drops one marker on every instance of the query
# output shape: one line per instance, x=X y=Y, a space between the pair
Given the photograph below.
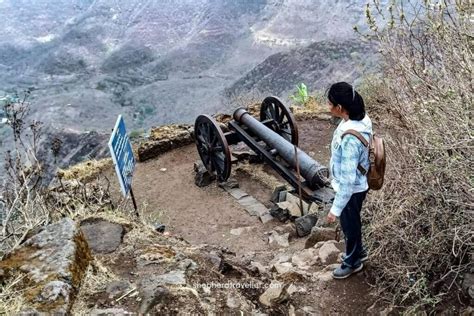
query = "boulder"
x=54 y=263
x=102 y=235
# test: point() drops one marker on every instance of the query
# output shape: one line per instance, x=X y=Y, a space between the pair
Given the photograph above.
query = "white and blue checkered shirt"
x=346 y=154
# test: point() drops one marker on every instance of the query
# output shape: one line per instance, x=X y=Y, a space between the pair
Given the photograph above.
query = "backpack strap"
x=363 y=141
x=356 y=134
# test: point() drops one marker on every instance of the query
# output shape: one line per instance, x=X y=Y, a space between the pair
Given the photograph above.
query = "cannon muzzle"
x=312 y=171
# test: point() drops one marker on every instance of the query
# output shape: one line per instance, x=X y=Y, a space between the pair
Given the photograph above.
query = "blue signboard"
x=122 y=155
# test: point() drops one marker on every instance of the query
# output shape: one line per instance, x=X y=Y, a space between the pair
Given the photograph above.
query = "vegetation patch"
x=420 y=225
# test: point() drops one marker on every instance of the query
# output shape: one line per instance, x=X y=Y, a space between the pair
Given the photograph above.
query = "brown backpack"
x=376 y=170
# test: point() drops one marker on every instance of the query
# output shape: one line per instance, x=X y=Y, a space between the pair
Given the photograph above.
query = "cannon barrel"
x=312 y=171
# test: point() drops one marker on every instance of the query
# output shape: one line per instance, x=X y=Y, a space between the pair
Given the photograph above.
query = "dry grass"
x=256 y=172
x=314 y=108
x=86 y=171
x=420 y=225
x=11 y=298
x=170 y=131
x=96 y=279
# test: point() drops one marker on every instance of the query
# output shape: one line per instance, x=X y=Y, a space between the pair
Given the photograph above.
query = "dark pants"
x=351 y=226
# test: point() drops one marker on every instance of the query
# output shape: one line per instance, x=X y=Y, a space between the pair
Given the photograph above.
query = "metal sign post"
x=122 y=156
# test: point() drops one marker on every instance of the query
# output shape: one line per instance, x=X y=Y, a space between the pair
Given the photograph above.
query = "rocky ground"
x=216 y=254
x=230 y=247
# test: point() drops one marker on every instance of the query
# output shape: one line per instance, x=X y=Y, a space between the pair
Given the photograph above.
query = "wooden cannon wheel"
x=212 y=147
x=283 y=121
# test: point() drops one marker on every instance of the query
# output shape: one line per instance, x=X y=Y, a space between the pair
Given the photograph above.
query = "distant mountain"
x=158 y=61
x=317 y=65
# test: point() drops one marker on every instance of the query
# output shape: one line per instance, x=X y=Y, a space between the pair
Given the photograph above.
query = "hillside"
x=156 y=63
x=314 y=65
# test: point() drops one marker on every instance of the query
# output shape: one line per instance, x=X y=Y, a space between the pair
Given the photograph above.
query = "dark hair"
x=343 y=94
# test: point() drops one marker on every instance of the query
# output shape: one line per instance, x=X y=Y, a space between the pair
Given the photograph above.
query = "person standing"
x=349 y=162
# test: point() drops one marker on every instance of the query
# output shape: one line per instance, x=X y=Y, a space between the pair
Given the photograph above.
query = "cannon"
x=274 y=138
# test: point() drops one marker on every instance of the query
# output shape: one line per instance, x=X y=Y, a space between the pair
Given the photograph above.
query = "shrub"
x=25 y=201
x=301 y=95
x=420 y=225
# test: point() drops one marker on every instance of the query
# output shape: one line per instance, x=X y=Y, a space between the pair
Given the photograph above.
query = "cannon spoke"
x=284 y=123
x=277 y=112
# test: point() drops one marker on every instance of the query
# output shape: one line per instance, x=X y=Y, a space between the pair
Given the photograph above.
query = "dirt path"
x=207 y=215
x=199 y=215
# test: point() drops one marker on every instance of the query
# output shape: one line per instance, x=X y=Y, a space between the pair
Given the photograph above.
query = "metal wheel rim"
x=284 y=122
x=212 y=147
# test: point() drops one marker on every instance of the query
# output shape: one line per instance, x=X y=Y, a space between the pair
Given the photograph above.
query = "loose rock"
x=275 y=294
x=260 y=267
x=232 y=301
x=216 y=260
x=282 y=214
x=295 y=205
x=276 y=193
x=230 y=184
x=241 y=155
x=282 y=268
x=152 y=296
x=238 y=231
x=305 y=258
x=202 y=177
x=265 y=218
x=110 y=312
x=304 y=224
x=116 y=288
x=320 y=234
x=468 y=284
x=279 y=240
x=328 y=253
x=188 y=265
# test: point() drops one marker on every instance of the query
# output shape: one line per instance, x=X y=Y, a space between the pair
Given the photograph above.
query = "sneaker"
x=345 y=271
x=364 y=256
